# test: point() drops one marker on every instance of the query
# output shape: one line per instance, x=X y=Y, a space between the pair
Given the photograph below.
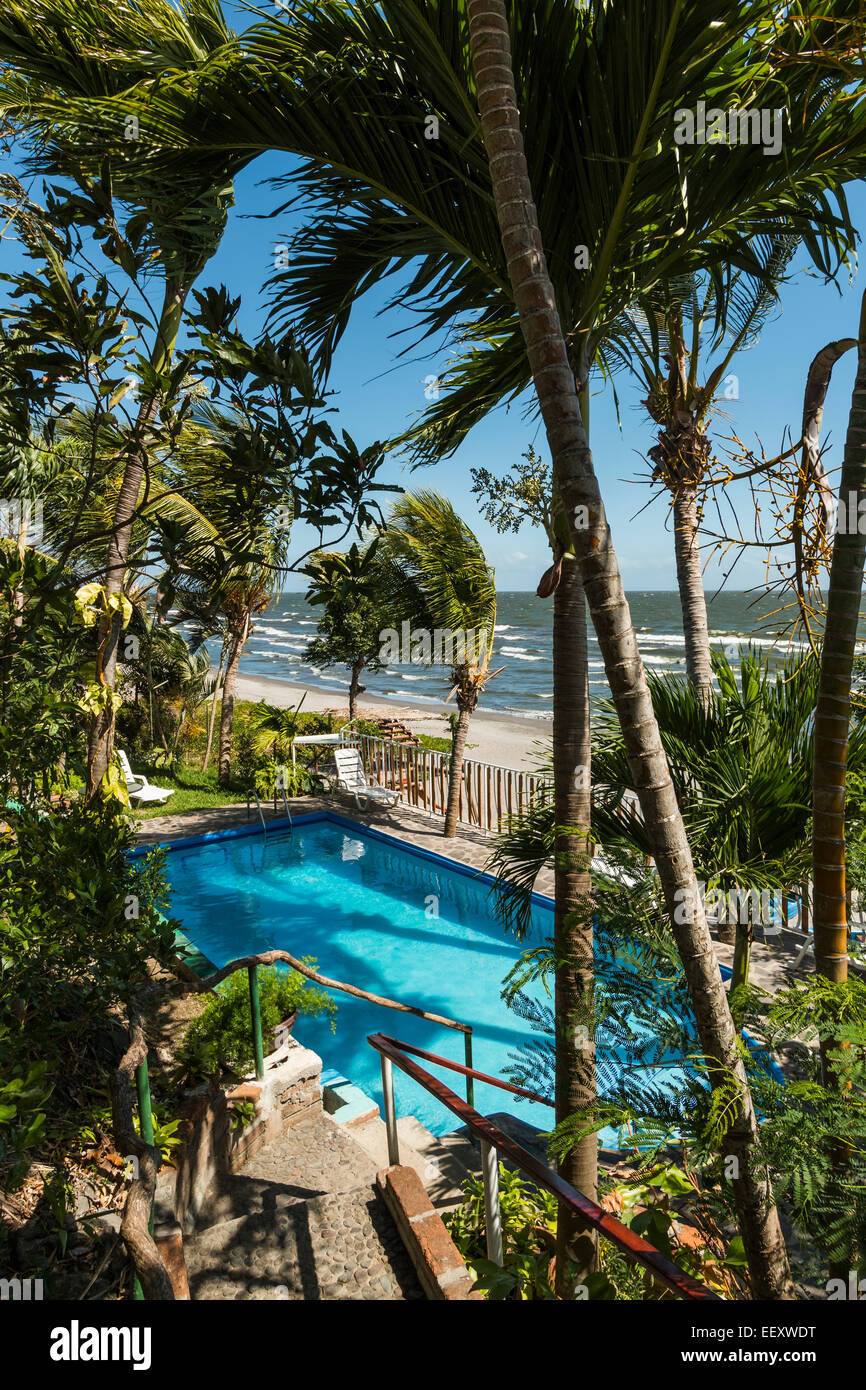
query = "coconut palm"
x=680 y=343
x=440 y=581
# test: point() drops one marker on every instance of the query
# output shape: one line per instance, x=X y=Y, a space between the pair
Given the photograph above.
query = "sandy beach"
x=506 y=740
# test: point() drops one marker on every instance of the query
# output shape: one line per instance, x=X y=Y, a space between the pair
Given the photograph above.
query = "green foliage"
x=356 y=607
x=80 y=921
x=24 y=1097
x=528 y=1228
x=220 y=1040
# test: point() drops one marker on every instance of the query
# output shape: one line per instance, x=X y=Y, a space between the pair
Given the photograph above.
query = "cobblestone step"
x=341 y=1246
x=301 y=1221
x=313 y=1158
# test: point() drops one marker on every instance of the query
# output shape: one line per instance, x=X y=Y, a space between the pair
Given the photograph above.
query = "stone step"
x=441 y=1162
x=340 y=1246
x=313 y=1158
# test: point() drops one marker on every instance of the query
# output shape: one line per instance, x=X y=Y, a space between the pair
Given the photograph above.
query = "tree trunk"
x=578 y=486
x=228 y=706
x=690 y=580
x=355 y=687
x=573 y=927
x=213 y=706
x=455 y=771
x=101 y=739
x=833 y=709
x=745 y=935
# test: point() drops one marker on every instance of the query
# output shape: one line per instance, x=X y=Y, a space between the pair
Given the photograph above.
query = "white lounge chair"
x=352 y=778
x=137 y=784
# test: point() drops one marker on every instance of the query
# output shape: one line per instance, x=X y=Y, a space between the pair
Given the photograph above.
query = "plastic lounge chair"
x=352 y=778
x=137 y=784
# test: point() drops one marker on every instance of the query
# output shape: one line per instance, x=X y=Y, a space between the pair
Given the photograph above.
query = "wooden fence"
x=489 y=795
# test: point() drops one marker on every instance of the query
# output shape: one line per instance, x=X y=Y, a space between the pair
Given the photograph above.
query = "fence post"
x=145 y=1126
x=470 y=1080
x=256 y=1019
x=390 y=1111
x=492 y=1214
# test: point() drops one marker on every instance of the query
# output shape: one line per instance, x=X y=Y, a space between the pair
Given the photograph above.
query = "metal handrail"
x=494 y=1142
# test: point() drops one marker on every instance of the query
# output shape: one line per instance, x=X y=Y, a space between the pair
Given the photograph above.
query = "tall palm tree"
x=558 y=401
x=833 y=709
x=440 y=580
x=66 y=63
x=662 y=341
x=527 y=494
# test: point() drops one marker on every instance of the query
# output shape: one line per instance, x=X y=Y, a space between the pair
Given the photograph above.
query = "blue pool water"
x=366 y=910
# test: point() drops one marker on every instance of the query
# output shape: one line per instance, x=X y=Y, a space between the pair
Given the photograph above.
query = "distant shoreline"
x=504 y=739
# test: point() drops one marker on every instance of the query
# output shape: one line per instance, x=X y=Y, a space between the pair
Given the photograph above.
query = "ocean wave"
x=519 y=652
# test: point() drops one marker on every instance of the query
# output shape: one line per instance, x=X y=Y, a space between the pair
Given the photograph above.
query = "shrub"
x=220 y=1040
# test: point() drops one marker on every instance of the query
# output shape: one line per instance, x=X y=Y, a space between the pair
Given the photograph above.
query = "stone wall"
x=289 y=1090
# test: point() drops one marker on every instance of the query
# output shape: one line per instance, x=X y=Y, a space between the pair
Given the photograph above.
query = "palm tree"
x=220 y=523
x=661 y=341
x=348 y=587
x=439 y=579
x=741 y=763
x=67 y=62
x=527 y=494
x=558 y=402
x=833 y=708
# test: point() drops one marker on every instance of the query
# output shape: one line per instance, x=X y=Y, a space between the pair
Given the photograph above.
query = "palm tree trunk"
x=690 y=580
x=833 y=708
x=573 y=923
x=228 y=705
x=355 y=687
x=101 y=739
x=745 y=935
x=455 y=771
x=575 y=477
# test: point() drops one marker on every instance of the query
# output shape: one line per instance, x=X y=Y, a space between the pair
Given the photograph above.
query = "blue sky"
x=376 y=392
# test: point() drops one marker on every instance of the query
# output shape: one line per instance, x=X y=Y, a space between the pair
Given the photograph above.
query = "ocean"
x=522 y=645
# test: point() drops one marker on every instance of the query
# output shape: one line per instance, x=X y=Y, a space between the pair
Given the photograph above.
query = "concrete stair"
x=442 y=1162
x=302 y=1220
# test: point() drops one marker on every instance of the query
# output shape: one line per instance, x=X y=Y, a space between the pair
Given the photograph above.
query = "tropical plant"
x=742 y=770
x=220 y=1040
x=662 y=342
x=59 y=92
x=349 y=589
x=528 y=1221
x=436 y=576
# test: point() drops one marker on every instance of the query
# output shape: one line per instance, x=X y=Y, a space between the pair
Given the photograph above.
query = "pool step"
x=442 y=1162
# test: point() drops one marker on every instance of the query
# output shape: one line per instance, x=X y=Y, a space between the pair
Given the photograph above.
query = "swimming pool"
x=380 y=916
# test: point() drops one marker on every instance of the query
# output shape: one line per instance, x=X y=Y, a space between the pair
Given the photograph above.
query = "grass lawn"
x=194 y=790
